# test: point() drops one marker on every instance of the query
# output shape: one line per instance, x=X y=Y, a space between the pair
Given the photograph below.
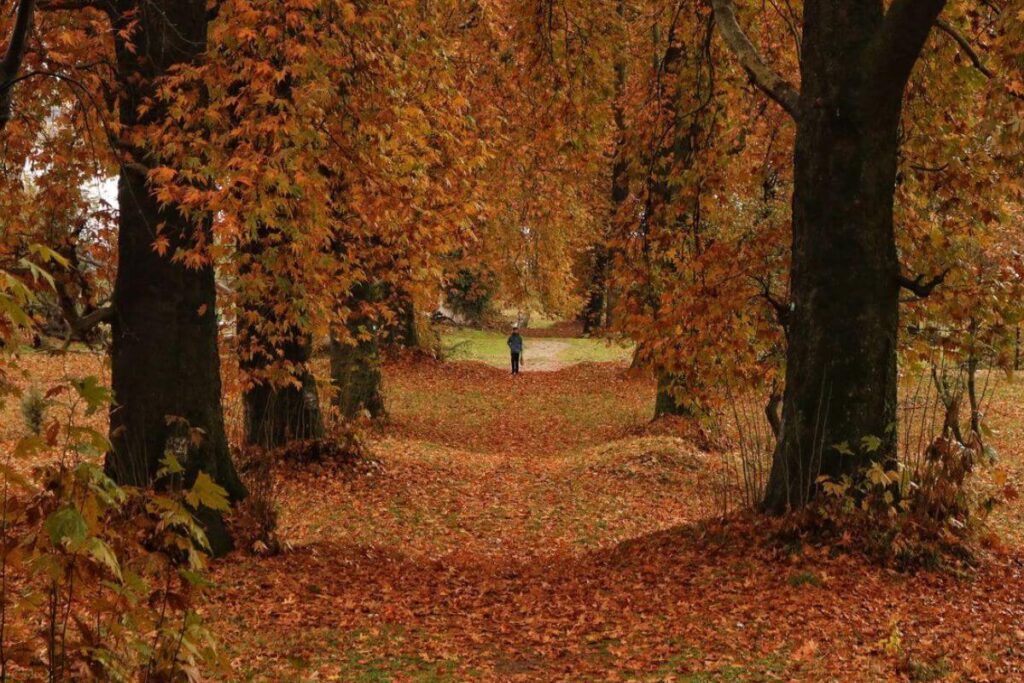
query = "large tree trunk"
x=164 y=360
x=411 y=330
x=671 y=206
x=278 y=414
x=839 y=406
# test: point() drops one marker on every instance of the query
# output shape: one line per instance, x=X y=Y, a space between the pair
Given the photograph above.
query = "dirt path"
x=544 y=355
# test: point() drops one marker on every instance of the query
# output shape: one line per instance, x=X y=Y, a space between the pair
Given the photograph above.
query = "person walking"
x=515 y=345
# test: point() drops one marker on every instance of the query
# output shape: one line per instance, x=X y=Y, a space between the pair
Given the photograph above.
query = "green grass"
x=360 y=656
x=479 y=345
x=490 y=348
x=805 y=579
x=686 y=667
x=595 y=351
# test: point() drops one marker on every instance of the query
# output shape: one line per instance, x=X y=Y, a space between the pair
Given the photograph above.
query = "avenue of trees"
x=333 y=166
x=806 y=204
x=801 y=202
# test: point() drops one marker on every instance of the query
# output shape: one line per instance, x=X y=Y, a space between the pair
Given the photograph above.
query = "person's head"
x=515 y=329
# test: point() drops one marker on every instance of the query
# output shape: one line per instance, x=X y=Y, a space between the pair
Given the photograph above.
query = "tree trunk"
x=840 y=392
x=771 y=413
x=355 y=362
x=164 y=360
x=356 y=374
x=665 y=401
x=619 y=192
x=594 y=309
x=972 y=392
x=276 y=415
x=14 y=55
x=411 y=330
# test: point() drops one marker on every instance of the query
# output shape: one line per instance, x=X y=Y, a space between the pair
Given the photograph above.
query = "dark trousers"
x=515 y=363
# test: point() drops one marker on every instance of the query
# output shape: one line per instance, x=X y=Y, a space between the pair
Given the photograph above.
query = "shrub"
x=925 y=516
x=471 y=294
x=33 y=410
x=100 y=579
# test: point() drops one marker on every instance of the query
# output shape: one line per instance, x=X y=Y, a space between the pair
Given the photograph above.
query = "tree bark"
x=682 y=64
x=599 y=309
x=10 y=65
x=840 y=390
x=356 y=373
x=355 y=362
x=594 y=309
x=164 y=359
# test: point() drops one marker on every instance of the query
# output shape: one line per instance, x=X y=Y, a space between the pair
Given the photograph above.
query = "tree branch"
x=781 y=308
x=13 y=58
x=965 y=47
x=82 y=325
x=762 y=75
x=899 y=43
x=918 y=285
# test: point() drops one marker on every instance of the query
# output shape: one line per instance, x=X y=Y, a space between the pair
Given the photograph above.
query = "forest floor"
x=539 y=529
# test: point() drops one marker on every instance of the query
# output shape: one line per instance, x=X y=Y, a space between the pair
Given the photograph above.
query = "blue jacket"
x=515 y=343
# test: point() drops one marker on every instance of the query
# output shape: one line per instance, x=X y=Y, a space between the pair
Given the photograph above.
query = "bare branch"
x=81 y=325
x=965 y=47
x=762 y=75
x=930 y=169
x=918 y=285
x=781 y=308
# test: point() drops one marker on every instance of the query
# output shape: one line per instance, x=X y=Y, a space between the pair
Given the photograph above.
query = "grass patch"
x=475 y=345
x=361 y=656
x=586 y=350
x=805 y=579
x=686 y=667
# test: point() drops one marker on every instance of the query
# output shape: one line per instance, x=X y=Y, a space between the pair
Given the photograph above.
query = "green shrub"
x=33 y=410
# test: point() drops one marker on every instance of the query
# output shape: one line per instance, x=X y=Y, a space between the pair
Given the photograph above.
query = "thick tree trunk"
x=841 y=361
x=840 y=393
x=604 y=292
x=164 y=359
x=276 y=415
x=407 y=333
